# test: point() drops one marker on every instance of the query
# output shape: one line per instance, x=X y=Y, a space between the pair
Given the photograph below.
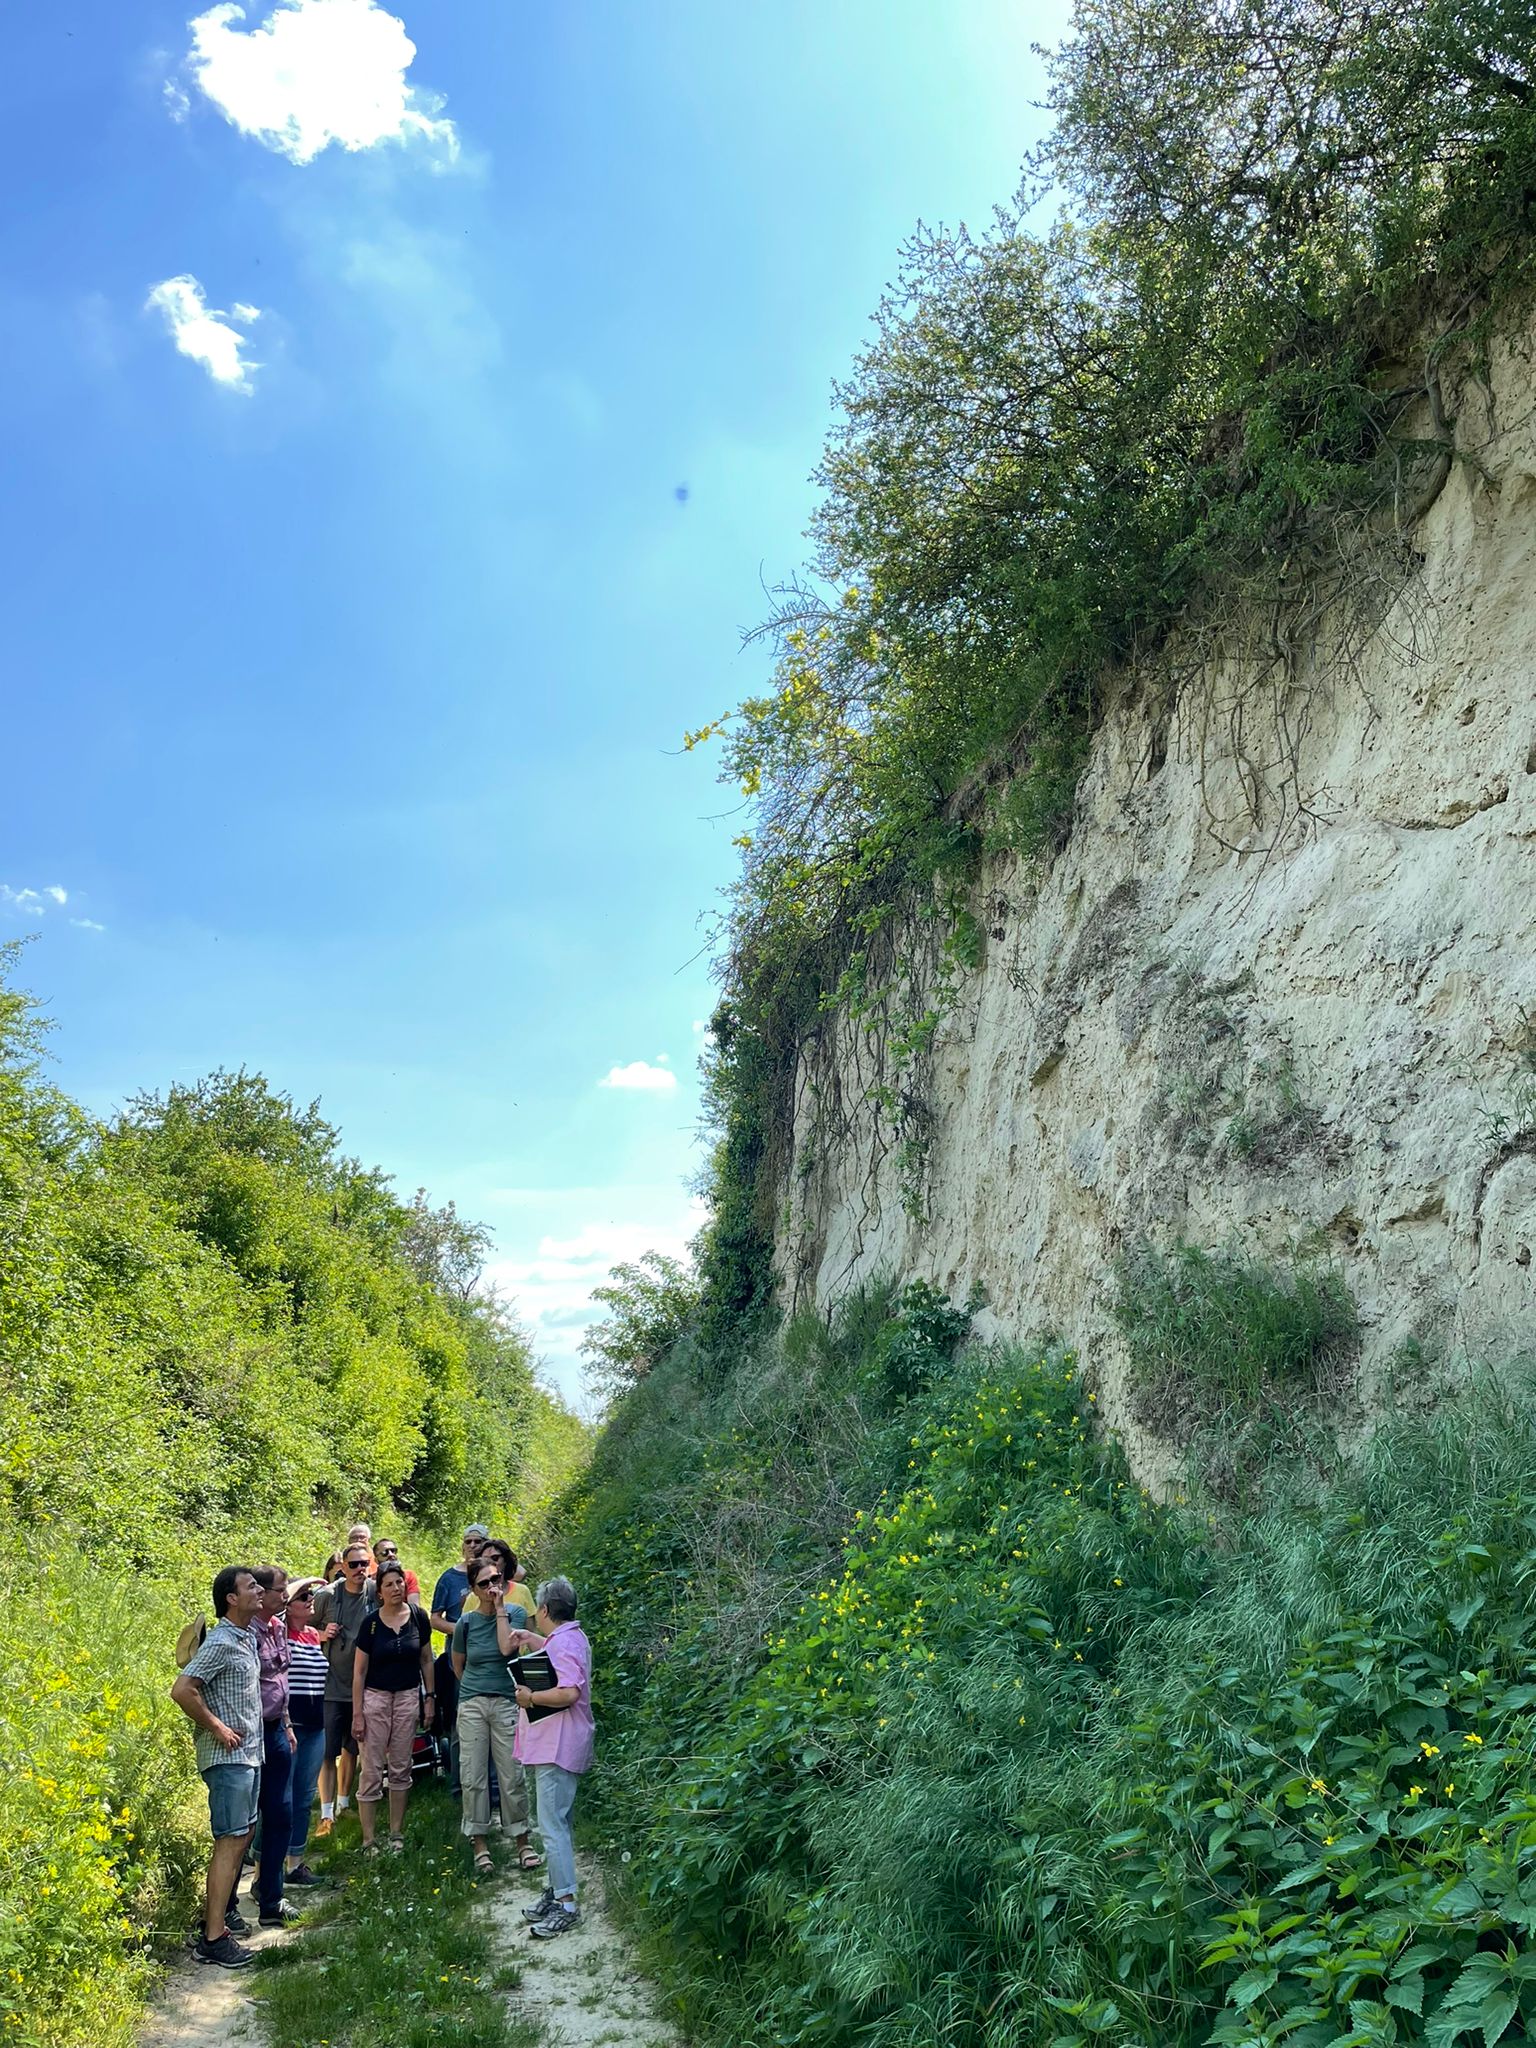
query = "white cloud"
x=177 y=103
x=638 y=1074
x=87 y=924
x=553 y=1289
x=245 y=314
x=316 y=72
x=699 y=1025
x=206 y=336
x=31 y=902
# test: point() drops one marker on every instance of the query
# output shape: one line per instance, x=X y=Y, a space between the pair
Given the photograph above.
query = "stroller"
x=429 y=1750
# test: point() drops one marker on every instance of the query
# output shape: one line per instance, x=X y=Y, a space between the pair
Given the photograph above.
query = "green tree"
x=652 y=1303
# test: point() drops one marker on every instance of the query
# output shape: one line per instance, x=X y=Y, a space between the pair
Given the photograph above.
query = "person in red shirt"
x=385 y=1552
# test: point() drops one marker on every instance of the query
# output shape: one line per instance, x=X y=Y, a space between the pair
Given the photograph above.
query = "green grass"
x=1207 y=1327
x=402 y=1954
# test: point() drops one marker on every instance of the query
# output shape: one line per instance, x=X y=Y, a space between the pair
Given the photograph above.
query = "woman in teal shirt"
x=488 y=1717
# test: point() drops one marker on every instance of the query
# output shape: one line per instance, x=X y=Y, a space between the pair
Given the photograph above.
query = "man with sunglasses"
x=385 y=1552
x=339 y=1613
x=448 y=1598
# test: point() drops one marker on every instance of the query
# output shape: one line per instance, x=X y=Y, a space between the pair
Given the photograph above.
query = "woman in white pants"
x=488 y=1718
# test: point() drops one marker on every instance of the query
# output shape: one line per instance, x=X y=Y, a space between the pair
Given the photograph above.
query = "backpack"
x=191 y=1640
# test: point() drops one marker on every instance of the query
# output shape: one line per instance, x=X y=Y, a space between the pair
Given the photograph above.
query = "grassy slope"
x=921 y=1722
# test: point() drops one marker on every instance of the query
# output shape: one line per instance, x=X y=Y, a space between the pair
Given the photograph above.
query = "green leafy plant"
x=1026 y=1758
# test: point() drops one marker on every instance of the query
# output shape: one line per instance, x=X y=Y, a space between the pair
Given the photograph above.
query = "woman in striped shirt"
x=306 y=1696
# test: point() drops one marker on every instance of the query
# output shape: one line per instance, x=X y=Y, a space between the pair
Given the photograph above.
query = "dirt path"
x=582 y=1989
x=201 y=2007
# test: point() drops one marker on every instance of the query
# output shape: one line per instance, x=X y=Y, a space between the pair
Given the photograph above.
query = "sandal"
x=397 y=1845
x=528 y=1858
x=483 y=1862
x=370 y=1848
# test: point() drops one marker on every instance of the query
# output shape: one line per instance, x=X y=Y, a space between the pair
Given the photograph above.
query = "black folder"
x=535 y=1670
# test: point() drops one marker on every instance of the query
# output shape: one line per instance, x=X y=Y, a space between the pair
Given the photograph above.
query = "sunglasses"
x=355 y=1564
x=490 y=1579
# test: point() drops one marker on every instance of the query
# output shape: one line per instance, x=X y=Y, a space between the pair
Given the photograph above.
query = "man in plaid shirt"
x=220 y=1693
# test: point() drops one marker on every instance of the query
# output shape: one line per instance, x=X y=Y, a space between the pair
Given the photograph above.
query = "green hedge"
x=220 y=1340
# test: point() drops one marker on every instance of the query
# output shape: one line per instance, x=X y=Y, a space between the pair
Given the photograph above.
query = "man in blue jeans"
x=220 y=1693
x=271 y=1635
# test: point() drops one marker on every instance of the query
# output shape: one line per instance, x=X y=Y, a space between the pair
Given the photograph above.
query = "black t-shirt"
x=394 y=1655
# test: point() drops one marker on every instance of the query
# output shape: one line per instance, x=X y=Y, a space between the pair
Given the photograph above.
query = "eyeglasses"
x=388 y=1556
x=355 y=1564
x=491 y=1579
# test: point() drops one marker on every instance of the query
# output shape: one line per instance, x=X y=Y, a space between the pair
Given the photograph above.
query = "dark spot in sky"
x=681 y=494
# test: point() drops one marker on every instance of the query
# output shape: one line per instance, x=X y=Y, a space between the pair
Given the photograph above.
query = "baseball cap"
x=477 y=1529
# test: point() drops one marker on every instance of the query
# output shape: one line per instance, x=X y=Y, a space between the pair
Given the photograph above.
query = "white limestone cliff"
x=1180 y=1030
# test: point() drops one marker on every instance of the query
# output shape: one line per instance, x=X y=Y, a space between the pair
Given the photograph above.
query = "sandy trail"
x=582 y=1989
x=200 y=2007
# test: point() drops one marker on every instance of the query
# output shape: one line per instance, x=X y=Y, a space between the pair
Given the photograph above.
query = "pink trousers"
x=389 y=1724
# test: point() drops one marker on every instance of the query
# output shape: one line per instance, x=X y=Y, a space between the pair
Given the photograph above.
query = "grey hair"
x=558 y=1599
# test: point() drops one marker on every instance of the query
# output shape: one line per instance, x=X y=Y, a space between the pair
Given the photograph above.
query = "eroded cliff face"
x=1184 y=1029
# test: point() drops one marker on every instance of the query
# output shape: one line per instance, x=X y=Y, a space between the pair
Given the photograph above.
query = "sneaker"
x=541 y=1910
x=302 y=1875
x=236 y=1921
x=323 y=1827
x=226 y=1953
x=560 y=1919
x=280 y=1915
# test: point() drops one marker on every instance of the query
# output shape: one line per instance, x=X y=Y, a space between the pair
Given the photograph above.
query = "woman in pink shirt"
x=554 y=1743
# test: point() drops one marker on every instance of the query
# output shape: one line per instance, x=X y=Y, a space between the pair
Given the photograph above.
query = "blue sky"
x=353 y=614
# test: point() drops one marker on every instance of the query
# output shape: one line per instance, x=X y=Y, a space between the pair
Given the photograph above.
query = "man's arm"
x=440 y=1622
x=187 y=1693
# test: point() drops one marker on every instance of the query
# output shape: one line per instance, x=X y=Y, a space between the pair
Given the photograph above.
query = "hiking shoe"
x=560 y=1919
x=225 y=1954
x=280 y=1915
x=236 y=1921
x=302 y=1875
x=323 y=1827
x=541 y=1910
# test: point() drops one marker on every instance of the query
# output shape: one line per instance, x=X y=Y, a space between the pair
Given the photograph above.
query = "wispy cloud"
x=87 y=924
x=316 y=72
x=32 y=902
x=203 y=333
x=553 y=1290
x=639 y=1074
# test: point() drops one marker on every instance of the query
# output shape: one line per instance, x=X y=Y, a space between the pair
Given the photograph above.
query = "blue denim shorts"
x=233 y=1791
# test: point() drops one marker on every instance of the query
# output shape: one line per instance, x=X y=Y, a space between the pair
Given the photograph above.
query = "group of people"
x=319 y=1684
